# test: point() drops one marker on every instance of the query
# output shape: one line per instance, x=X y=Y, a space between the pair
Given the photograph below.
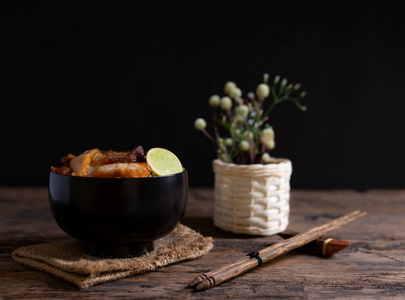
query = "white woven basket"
x=252 y=199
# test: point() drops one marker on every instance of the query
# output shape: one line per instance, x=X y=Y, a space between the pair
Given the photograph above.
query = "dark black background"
x=114 y=75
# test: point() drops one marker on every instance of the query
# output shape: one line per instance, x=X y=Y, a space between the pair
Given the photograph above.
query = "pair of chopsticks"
x=254 y=259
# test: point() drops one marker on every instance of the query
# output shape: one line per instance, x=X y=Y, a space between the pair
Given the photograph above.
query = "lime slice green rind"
x=163 y=162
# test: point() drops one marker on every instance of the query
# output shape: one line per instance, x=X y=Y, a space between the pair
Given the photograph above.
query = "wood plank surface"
x=372 y=267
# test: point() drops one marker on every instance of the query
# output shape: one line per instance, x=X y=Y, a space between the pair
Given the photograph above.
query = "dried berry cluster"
x=242 y=134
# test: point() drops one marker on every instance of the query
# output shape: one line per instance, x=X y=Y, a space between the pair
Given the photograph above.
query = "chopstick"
x=254 y=259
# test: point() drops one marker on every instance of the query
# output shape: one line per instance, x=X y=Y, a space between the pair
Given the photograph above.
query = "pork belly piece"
x=67 y=159
x=63 y=167
x=122 y=170
x=61 y=170
x=83 y=164
x=136 y=155
x=80 y=165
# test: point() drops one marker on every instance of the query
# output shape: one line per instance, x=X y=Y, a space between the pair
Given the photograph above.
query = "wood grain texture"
x=372 y=267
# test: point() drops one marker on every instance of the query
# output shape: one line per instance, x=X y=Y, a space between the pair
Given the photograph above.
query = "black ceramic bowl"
x=118 y=217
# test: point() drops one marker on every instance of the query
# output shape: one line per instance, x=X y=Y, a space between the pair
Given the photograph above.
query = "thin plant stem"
x=209 y=137
x=214 y=117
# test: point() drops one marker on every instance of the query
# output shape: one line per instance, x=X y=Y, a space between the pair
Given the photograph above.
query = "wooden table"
x=372 y=267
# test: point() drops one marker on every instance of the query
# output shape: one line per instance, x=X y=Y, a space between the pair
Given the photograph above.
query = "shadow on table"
x=206 y=227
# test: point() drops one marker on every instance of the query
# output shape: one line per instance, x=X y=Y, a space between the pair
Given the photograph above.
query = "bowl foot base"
x=127 y=251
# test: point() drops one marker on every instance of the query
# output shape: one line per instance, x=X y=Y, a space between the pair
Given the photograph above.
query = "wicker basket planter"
x=252 y=199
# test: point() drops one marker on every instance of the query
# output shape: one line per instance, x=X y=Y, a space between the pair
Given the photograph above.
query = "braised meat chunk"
x=122 y=170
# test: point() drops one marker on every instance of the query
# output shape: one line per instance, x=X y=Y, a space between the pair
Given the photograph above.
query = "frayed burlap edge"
x=68 y=260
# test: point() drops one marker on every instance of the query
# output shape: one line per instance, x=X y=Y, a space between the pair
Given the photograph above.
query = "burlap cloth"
x=68 y=260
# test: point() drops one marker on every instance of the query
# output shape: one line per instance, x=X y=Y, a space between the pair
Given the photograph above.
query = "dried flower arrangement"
x=245 y=136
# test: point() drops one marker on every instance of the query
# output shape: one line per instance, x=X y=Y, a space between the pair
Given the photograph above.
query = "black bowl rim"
x=121 y=178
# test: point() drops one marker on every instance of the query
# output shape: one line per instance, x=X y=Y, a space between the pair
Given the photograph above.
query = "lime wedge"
x=163 y=162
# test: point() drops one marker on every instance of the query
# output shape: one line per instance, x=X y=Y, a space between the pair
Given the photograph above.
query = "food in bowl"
x=124 y=164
